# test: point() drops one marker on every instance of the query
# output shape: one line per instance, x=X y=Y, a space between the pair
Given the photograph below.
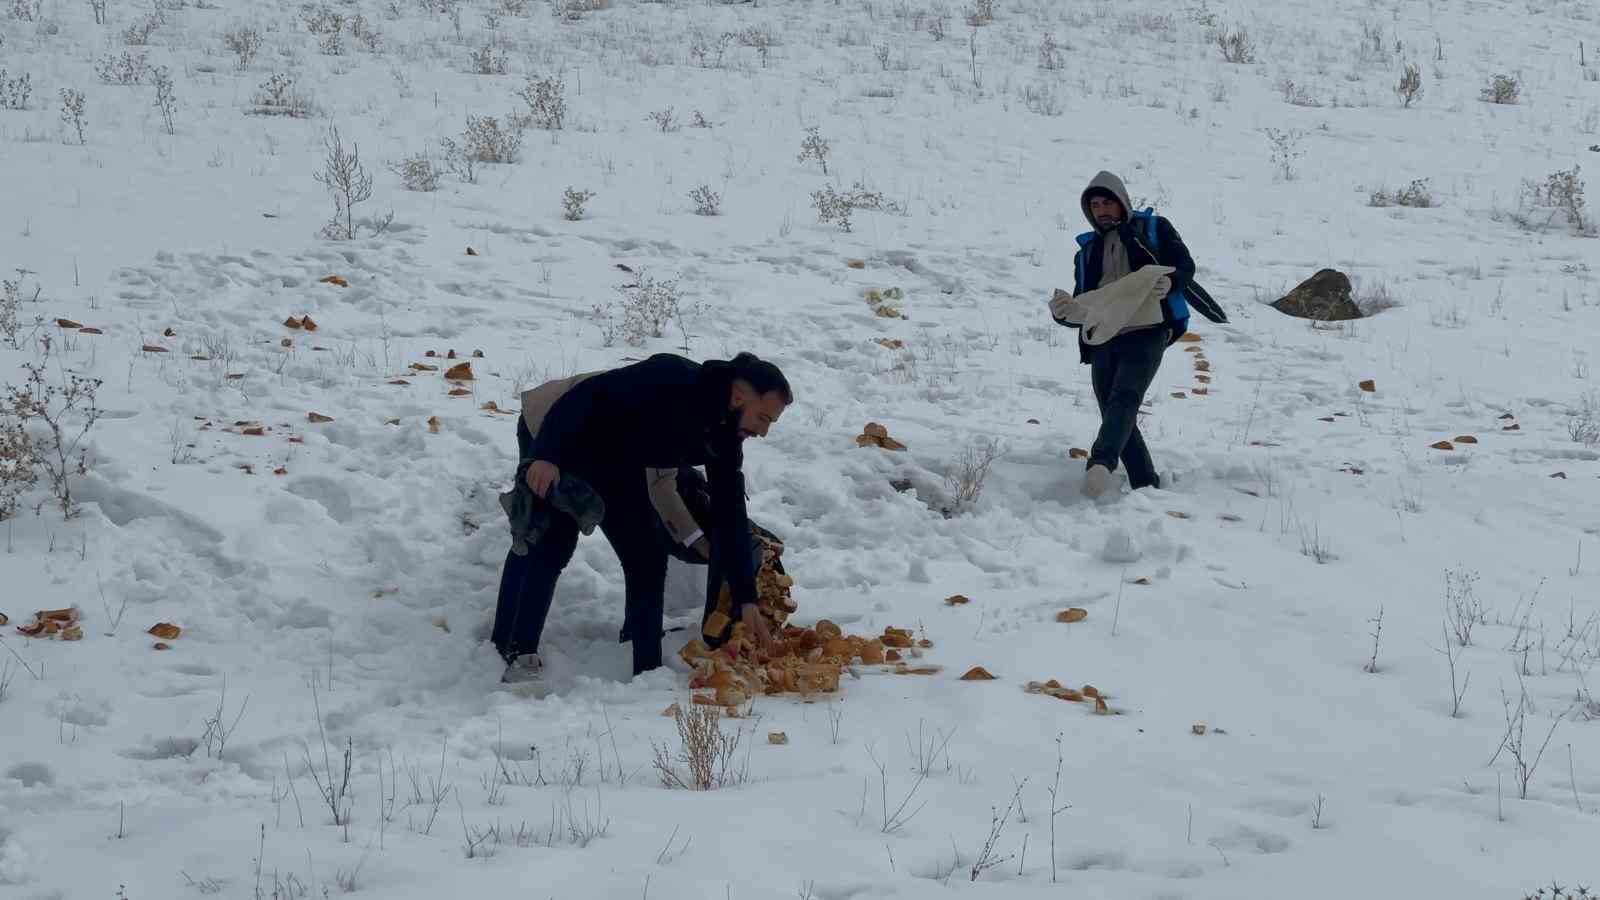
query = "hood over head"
x=1105 y=183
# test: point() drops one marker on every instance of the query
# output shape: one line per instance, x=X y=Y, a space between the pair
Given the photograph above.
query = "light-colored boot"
x=1096 y=482
x=524 y=669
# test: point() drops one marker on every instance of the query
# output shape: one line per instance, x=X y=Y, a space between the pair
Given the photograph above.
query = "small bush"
x=708 y=53
x=665 y=120
x=1418 y=194
x=66 y=413
x=417 y=173
x=73 y=105
x=138 y=34
x=839 y=208
x=760 y=39
x=485 y=140
x=1410 y=87
x=574 y=10
x=1502 y=89
x=327 y=26
x=815 y=146
x=14 y=92
x=488 y=60
x=1285 y=151
x=547 y=102
x=11 y=312
x=1563 y=191
x=18 y=463
x=572 y=202
x=708 y=755
x=1236 y=46
x=1375 y=299
x=698 y=120
x=488 y=141
x=365 y=33
x=965 y=477
x=706 y=201
x=244 y=43
x=1050 y=57
x=1042 y=100
x=349 y=183
x=277 y=96
x=166 y=96
x=1583 y=421
x=458 y=161
x=127 y=69
x=648 y=307
x=1557 y=892
x=1371 y=49
x=980 y=13
x=1297 y=94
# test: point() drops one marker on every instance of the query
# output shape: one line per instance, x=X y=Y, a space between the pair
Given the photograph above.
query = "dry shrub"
x=705 y=752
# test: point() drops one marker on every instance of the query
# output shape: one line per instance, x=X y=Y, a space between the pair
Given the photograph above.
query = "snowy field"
x=1379 y=637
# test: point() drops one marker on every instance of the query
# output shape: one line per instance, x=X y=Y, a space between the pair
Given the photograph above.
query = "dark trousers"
x=1122 y=369
x=528 y=583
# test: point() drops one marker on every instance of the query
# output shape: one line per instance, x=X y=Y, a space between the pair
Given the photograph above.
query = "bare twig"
x=1456 y=693
x=25 y=667
x=335 y=791
x=835 y=719
x=1057 y=808
x=296 y=794
x=997 y=823
x=217 y=732
x=1377 y=638
x=1572 y=778
x=892 y=822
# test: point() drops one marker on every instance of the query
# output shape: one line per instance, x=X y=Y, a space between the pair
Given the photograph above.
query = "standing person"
x=604 y=431
x=1134 y=282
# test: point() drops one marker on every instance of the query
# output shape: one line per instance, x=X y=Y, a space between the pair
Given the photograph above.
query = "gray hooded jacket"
x=1126 y=300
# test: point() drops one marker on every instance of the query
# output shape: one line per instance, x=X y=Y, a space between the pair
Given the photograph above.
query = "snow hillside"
x=1388 y=645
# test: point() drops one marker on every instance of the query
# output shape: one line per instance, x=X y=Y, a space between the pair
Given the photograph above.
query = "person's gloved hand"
x=1161 y=288
x=1060 y=302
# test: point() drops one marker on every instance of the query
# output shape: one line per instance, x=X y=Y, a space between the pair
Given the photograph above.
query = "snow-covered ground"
x=335 y=580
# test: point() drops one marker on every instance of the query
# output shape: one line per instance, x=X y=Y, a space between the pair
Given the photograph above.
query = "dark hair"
x=761 y=375
x=1097 y=191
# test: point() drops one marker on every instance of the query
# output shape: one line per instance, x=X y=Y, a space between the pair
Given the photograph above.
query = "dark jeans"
x=528 y=583
x=1122 y=369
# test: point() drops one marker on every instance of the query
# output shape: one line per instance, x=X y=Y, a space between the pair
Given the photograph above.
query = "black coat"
x=664 y=412
x=1169 y=251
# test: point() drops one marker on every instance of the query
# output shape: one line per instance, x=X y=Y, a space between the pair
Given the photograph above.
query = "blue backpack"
x=1177 y=302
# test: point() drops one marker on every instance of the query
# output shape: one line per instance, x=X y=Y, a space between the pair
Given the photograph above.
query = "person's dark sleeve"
x=1174 y=253
x=557 y=439
x=730 y=531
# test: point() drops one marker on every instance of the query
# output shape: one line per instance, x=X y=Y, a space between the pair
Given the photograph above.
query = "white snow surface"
x=360 y=583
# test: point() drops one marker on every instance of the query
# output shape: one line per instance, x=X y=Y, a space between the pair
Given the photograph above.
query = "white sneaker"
x=525 y=668
x=1096 y=482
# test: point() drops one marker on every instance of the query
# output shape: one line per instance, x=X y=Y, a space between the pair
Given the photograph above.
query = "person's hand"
x=702 y=547
x=1161 y=288
x=542 y=476
x=1060 y=303
x=755 y=626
